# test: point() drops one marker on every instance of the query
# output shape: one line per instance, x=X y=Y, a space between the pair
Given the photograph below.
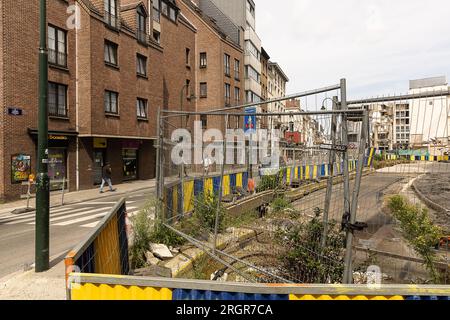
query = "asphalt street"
x=68 y=226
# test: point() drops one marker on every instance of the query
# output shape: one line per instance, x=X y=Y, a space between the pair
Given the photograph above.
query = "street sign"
x=250 y=121
x=15 y=111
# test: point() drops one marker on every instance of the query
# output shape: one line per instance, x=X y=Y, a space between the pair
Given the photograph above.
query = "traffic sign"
x=250 y=121
x=15 y=111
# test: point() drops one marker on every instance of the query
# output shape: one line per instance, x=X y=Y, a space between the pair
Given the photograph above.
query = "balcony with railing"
x=57 y=58
x=112 y=20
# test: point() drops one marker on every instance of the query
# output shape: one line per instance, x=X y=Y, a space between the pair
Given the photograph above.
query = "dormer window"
x=111 y=16
x=169 y=10
x=142 y=26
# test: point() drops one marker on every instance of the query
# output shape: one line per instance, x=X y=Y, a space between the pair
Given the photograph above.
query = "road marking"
x=30 y=219
x=100 y=203
x=94 y=224
x=33 y=214
x=69 y=216
x=75 y=221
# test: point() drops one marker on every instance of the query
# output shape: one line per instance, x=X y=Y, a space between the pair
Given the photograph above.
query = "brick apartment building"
x=219 y=63
x=106 y=82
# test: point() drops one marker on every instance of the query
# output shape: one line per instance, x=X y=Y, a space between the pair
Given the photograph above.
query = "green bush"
x=305 y=260
x=280 y=204
x=270 y=182
x=142 y=227
x=419 y=230
x=205 y=210
x=147 y=231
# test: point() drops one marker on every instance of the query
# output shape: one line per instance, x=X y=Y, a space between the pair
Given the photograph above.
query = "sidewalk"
x=29 y=285
x=82 y=196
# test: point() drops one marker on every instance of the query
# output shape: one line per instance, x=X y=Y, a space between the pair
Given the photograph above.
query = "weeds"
x=419 y=230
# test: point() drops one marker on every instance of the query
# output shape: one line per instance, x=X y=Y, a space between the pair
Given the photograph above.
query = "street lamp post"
x=42 y=183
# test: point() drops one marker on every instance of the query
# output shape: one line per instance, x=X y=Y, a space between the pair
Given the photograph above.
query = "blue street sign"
x=250 y=121
x=15 y=112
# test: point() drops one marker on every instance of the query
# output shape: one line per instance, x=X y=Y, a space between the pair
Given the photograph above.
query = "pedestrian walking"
x=106 y=178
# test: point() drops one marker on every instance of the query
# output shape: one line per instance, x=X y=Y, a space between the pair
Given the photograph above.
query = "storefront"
x=130 y=151
x=58 y=151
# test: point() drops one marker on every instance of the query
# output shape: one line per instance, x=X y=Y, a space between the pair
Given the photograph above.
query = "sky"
x=377 y=45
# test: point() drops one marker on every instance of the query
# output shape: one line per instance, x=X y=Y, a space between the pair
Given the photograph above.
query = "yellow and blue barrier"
x=180 y=199
x=103 y=287
x=105 y=249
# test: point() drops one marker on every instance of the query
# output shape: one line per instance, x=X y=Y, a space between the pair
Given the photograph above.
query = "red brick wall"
x=2 y=103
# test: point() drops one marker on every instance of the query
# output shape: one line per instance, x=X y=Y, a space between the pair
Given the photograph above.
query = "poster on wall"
x=20 y=168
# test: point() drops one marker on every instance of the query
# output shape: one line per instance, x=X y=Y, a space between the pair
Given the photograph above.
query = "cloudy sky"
x=378 y=45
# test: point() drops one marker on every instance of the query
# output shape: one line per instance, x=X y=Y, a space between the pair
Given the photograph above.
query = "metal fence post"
x=344 y=107
x=332 y=160
x=222 y=173
x=348 y=276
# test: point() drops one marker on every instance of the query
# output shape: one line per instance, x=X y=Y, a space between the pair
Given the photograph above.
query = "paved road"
x=369 y=201
x=68 y=226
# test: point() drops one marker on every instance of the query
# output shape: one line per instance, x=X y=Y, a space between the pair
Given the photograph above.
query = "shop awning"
x=54 y=133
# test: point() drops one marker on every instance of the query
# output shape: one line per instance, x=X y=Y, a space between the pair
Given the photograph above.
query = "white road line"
x=75 y=221
x=69 y=216
x=22 y=220
x=94 y=224
x=100 y=203
x=33 y=214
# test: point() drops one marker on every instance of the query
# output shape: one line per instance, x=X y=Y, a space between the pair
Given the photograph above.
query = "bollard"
x=63 y=189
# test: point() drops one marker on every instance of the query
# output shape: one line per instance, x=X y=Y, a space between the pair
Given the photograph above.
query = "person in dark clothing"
x=106 y=178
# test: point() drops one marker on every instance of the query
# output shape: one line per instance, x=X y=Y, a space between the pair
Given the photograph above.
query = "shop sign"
x=20 y=168
x=53 y=137
x=100 y=143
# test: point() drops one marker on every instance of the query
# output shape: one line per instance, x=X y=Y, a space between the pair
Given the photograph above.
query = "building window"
x=188 y=89
x=142 y=26
x=111 y=102
x=141 y=65
x=111 y=53
x=188 y=57
x=57 y=46
x=250 y=8
x=156 y=11
x=141 y=108
x=203 y=60
x=227 y=65
x=203 y=90
x=237 y=95
x=111 y=16
x=164 y=8
x=172 y=14
x=157 y=36
x=251 y=73
x=57 y=100
x=227 y=94
x=237 y=69
x=204 y=120
x=250 y=48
